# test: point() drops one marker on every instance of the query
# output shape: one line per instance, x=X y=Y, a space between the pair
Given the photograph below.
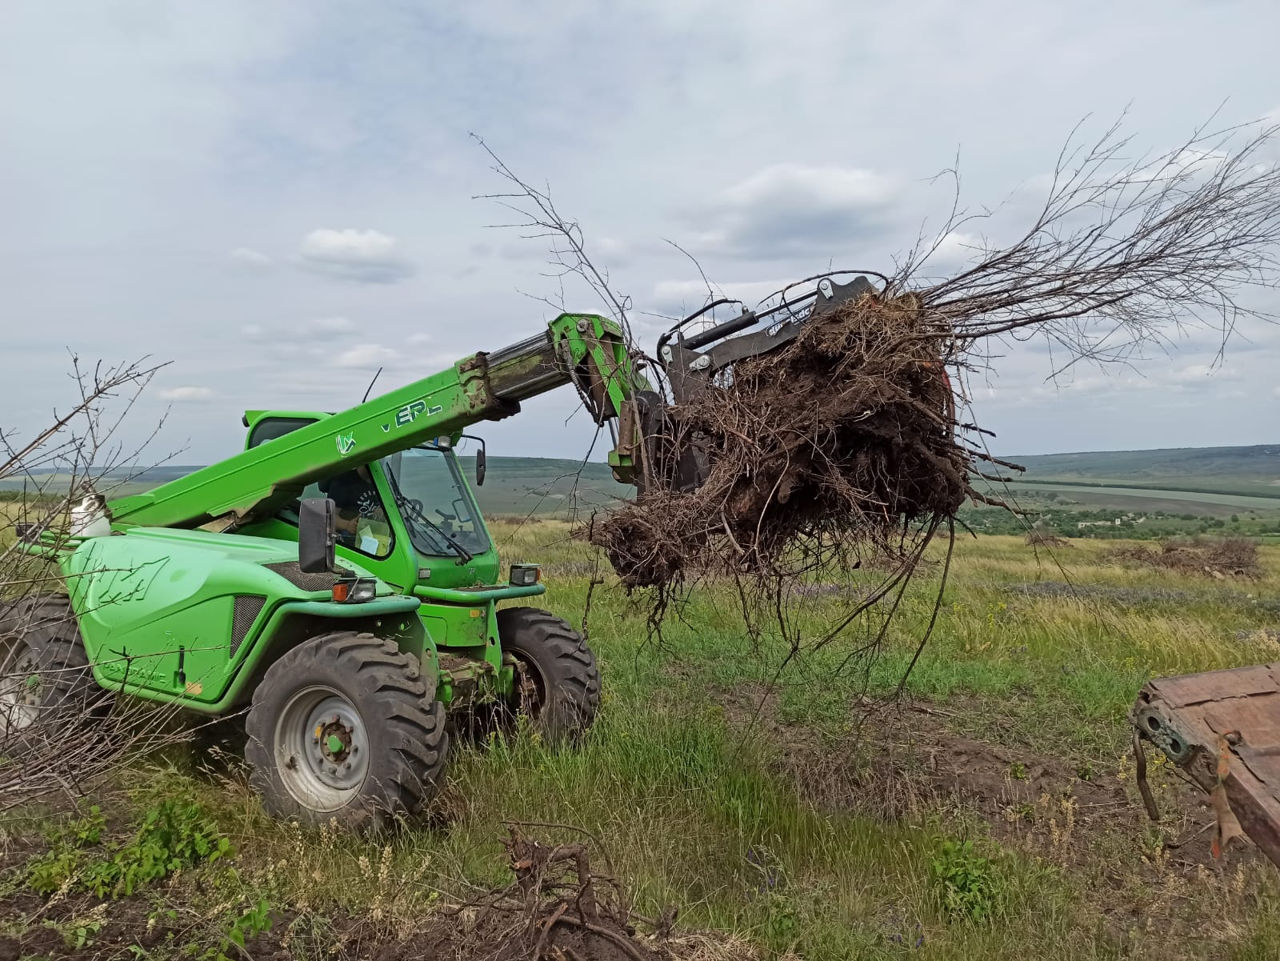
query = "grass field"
x=992 y=815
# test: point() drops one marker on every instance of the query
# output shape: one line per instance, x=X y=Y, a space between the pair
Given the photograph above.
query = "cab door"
x=369 y=527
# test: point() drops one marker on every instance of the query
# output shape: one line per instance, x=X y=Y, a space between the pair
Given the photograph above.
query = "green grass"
x=688 y=808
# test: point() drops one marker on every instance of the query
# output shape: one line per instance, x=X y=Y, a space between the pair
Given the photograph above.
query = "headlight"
x=355 y=590
x=525 y=575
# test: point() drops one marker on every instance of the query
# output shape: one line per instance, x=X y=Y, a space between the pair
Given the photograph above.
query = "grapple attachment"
x=692 y=361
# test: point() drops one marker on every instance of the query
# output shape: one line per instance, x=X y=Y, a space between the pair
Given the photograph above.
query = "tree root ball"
x=844 y=436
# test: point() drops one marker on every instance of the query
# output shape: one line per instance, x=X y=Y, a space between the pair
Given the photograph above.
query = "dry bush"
x=1039 y=538
x=59 y=732
x=1214 y=557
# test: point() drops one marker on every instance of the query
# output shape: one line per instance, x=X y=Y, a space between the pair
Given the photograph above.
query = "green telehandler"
x=337 y=580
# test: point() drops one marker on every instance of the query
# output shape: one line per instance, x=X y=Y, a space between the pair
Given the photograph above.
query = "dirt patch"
x=1228 y=557
x=79 y=926
x=907 y=761
x=916 y=761
x=557 y=908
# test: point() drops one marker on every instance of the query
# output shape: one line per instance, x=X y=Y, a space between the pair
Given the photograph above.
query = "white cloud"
x=419 y=339
x=797 y=209
x=250 y=259
x=1202 y=375
x=849 y=187
x=364 y=256
x=367 y=357
x=253 y=332
x=1189 y=163
x=955 y=248
x=331 y=325
x=186 y=393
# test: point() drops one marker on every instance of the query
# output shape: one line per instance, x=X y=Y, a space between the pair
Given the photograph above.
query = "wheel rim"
x=321 y=748
x=20 y=688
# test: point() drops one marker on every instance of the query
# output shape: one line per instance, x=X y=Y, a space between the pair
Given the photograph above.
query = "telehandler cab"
x=336 y=577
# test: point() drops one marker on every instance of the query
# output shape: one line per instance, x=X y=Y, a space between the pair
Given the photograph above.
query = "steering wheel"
x=416 y=506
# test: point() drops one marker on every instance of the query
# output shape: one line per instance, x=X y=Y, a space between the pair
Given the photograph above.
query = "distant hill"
x=541 y=485
x=513 y=485
x=1229 y=470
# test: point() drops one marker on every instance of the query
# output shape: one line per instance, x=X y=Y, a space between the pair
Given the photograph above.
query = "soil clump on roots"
x=843 y=440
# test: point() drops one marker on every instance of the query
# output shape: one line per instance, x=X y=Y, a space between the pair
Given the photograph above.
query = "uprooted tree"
x=854 y=441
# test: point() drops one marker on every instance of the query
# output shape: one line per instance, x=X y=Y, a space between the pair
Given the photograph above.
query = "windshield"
x=429 y=490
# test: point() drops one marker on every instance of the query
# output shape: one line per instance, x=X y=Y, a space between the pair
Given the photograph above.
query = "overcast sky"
x=277 y=197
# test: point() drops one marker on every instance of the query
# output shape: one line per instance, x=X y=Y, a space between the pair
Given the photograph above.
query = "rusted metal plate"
x=1232 y=715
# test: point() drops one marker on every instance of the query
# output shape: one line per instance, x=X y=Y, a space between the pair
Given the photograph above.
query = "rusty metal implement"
x=1223 y=729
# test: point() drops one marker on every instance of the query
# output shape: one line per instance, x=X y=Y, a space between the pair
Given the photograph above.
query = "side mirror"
x=315 y=535
x=480 y=458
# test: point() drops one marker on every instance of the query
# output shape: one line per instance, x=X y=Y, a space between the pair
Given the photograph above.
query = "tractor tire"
x=557 y=680
x=343 y=727
x=47 y=690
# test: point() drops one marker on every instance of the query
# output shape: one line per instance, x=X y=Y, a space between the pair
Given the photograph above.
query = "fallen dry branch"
x=556 y=908
x=60 y=733
x=1225 y=557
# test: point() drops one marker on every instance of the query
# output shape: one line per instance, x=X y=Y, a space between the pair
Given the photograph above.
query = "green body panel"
x=458 y=611
x=291 y=622
x=156 y=608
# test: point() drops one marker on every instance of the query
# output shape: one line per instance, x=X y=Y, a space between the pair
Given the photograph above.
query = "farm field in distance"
x=1189 y=489
x=990 y=815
